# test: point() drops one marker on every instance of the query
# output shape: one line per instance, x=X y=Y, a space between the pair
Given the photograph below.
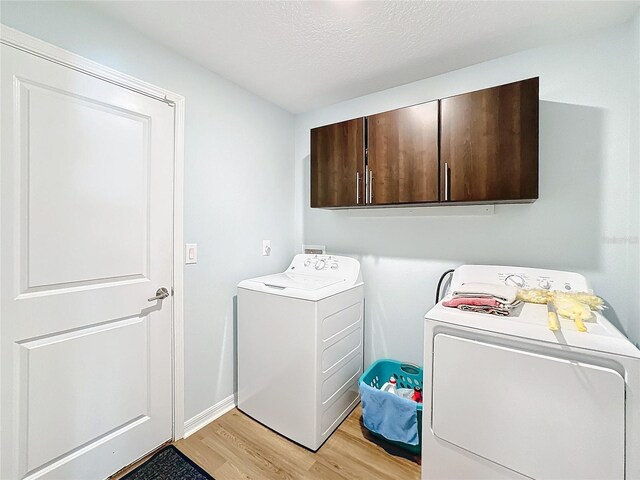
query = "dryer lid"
x=298 y=281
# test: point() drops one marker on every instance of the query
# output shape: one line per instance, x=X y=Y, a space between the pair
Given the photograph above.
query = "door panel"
x=100 y=174
x=403 y=155
x=541 y=416
x=489 y=142
x=337 y=164
x=86 y=233
x=73 y=390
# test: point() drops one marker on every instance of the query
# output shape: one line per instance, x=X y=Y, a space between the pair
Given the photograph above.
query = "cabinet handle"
x=370 y=186
x=357 y=188
x=446 y=181
x=366 y=185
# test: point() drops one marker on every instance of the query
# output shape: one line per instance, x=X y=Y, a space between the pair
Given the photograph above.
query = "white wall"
x=238 y=178
x=582 y=221
x=239 y=185
x=634 y=179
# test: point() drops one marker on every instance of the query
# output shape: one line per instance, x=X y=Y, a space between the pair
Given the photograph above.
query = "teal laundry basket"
x=407 y=376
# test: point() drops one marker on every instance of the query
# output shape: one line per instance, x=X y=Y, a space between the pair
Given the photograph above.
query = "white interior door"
x=86 y=199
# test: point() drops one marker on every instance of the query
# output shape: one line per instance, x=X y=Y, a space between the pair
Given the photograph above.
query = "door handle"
x=161 y=293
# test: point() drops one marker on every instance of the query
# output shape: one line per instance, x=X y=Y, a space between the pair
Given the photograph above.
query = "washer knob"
x=544 y=283
x=320 y=264
x=334 y=266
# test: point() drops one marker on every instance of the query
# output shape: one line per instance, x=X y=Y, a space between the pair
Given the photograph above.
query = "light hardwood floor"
x=237 y=447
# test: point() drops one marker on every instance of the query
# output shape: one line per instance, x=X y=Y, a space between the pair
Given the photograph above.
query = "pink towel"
x=479 y=305
x=473 y=301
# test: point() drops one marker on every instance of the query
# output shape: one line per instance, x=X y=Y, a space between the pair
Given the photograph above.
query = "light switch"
x=191 y=253
x=266 y=248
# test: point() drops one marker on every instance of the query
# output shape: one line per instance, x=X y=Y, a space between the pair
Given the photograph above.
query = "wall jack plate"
x=314 y=249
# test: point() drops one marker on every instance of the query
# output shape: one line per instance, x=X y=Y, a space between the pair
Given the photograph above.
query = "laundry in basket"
x=407 y=376
x=389 y=415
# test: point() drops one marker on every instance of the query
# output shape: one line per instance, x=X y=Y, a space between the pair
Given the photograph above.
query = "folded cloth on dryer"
x=500 y=311
x=475 y=301
x=486 y=305
x=484 y=298
x=389 y=415
x=501 y=293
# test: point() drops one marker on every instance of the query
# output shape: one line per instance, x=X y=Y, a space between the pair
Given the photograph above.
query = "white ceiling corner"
x=303 y=55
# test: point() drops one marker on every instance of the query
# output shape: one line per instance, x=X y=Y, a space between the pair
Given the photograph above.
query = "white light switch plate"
x=266 y=248
x=191 y=253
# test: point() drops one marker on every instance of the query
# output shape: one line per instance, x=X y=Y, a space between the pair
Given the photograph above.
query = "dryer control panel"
x=520 y=277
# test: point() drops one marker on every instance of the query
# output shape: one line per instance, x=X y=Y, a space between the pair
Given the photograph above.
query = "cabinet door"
x=337 y=164
x=403 y=155
x=489 y=144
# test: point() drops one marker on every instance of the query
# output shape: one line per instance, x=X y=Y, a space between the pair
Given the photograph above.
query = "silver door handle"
x=357 y=188
x=370 y=186
x=161 y=293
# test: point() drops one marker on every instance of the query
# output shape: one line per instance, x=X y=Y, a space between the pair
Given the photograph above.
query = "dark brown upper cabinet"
x=478 y=147
x=403 y=155
x=337 y=164
x=489 y=144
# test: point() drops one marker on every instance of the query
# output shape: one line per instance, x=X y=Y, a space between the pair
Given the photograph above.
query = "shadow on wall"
x=611 y=315
x=560 y=230
x=403 y=257
x=235 y=348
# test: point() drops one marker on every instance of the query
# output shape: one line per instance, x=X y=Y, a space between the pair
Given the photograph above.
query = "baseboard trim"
x=209 y=415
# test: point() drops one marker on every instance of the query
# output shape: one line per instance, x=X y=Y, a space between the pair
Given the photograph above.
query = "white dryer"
x=300 y=346
x=511 y=399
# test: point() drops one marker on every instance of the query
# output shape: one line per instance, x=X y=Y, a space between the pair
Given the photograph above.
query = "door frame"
x=14 y=38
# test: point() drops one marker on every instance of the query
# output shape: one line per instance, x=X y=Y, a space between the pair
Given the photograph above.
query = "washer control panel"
x=520 y=277
x=325 y=266
x=321 y=262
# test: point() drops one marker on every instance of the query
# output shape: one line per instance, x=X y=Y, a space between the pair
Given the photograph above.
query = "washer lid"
x=310 y=277
x=298 y=281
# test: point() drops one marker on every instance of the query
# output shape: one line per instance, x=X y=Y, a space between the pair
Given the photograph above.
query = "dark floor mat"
x=168 y=464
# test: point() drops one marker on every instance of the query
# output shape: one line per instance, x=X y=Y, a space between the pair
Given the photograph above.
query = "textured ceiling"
x=304 y=55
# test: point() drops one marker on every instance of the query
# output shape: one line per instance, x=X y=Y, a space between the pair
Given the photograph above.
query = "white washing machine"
x=300 y=346
x=511 y=399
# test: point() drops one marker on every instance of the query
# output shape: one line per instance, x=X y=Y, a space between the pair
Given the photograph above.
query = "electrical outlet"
x=266 y=248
